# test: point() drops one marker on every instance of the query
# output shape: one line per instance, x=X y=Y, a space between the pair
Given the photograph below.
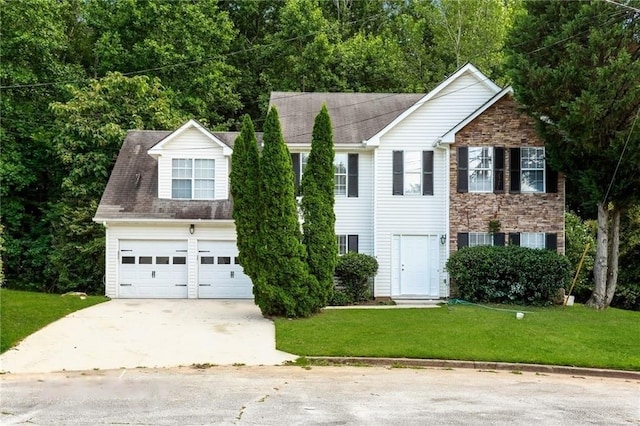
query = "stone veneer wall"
x=502 y=125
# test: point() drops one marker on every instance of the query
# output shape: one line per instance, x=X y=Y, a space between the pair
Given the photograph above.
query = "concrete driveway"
x=149 y=333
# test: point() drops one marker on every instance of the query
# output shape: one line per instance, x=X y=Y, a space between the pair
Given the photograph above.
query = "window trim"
x=193 y=179
x=524 y=169
x=426 y=173
x=489 y=169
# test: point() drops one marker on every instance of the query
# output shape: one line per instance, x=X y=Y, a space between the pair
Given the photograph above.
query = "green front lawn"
x=23 y=313
x=574 y=336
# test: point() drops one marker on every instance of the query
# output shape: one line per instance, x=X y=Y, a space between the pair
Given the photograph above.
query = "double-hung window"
x=412 y=173
x=480 y=169
x=347 y=243
x=345 y=172
x=532 y=169
x=340 y=174
x=480 y=239
x=535 y=240
x=193 y=179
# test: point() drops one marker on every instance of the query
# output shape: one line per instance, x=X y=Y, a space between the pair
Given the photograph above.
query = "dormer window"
x=193 y=179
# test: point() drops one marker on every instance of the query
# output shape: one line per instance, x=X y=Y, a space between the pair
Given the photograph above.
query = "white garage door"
x=219 y=273
x=153 y=269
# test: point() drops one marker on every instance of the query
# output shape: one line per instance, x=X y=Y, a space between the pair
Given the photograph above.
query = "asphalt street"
x=288 y=395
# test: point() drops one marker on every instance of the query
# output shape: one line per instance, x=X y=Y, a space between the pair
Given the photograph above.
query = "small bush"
x=355 y=270
x=339 y=298
x=627 y=297
x=509 y=274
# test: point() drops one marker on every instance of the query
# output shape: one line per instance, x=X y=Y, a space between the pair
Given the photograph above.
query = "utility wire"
x=624 y=148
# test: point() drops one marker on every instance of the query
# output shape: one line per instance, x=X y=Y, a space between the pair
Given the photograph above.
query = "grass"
x=23 y=313
x=573 y=336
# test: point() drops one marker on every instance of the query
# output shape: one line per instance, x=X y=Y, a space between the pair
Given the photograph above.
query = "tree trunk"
x=614 y=252
x=598 y=297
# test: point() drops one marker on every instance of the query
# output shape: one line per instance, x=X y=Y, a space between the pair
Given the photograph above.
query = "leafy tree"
x=472 y=31
x=37 y=49
x=575 y=67
x=245 y=191
x=284 y=286
x=578 y=235
x=182 y=43
x=304 y=43
x=90 y=128
x=317 y=206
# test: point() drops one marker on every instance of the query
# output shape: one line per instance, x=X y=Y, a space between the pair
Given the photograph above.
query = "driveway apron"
x=149 y=333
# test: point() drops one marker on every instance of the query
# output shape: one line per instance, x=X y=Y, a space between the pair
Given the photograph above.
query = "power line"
x=624 y=148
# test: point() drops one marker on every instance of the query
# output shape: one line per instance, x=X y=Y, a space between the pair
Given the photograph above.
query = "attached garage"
x=153 y=269
x=219 y=272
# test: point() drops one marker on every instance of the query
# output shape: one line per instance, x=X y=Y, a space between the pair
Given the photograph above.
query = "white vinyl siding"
x=192 y=144
x=420 y=215
x=354 y=215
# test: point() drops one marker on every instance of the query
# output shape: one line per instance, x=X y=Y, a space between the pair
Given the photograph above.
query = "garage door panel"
x=219 y=274
x=153 y=269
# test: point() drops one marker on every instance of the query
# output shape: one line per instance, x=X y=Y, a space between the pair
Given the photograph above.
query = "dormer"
x=193 y=164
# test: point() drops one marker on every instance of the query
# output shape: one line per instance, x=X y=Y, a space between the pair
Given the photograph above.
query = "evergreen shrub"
x=509 y=274
x=355 y=270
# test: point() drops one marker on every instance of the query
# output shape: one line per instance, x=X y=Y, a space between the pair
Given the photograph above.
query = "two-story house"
x=416 y=177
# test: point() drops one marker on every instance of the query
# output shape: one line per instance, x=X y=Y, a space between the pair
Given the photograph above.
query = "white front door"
x=152 y=269
x=416 y=271
x=219 y=273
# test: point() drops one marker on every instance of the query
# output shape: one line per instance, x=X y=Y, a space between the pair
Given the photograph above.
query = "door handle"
x=231 y=274
x=153 y=274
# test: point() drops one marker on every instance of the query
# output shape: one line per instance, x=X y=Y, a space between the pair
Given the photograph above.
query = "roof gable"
x=158 y=148
x=450 y=136
x=467 y=69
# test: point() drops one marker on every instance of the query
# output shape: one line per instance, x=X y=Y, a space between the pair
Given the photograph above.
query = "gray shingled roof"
x=132 y=190
x=355 y=116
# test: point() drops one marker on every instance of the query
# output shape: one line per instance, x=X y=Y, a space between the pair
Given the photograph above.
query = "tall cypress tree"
x=284 y=283
x=245 y=190
x=317 y=206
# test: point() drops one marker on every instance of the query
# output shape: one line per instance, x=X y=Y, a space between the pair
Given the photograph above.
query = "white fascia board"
x=156 y=150
x=134 y=221
x=468 y=68
x=450 y=136
x=338 y=146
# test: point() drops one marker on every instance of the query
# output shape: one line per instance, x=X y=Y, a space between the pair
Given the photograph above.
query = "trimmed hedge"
x=355 y=270
x=509 y=274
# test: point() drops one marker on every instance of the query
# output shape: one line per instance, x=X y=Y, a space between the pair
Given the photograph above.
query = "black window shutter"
x=514 y=170
x=551 y=242
x=427 y=172
x=463 y=239
x=398 y=173
x=498 y=170
x=352 y=190
x=463 y=169
x=551 y=181
x=295 y=159
x=514 y=238
x=498 y=239
x=352 y=243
